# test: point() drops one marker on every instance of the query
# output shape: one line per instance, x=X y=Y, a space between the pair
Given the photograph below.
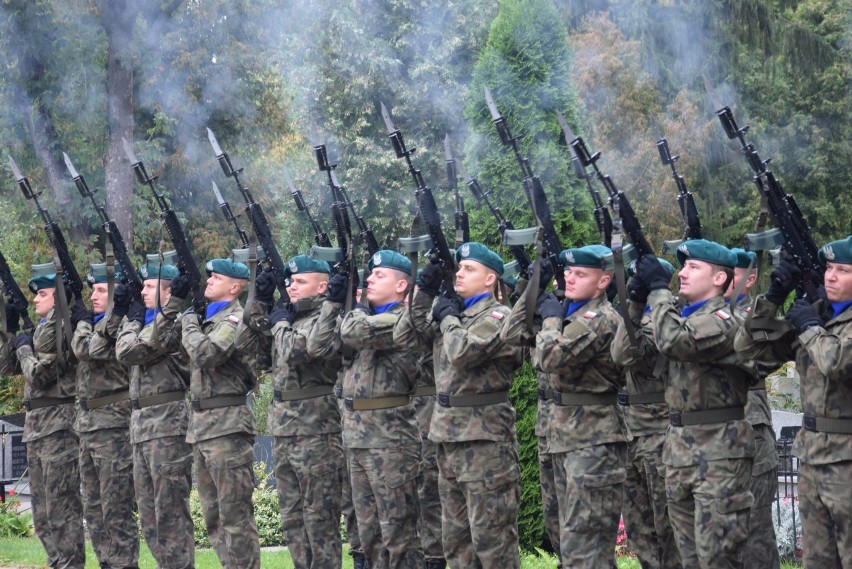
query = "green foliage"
x=260 y=405
x=12 y=522
x=524 y=394
x=11 y=394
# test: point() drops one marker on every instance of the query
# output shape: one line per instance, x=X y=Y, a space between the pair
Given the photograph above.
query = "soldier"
x=53 y=447
x=761 y=548
x=159 y=377
x=221 y=425
x=709 y=447
x=821 y=346
x=586 y=435
x=380 y=428
x=106 y=465
x=643 y=403
x=474 y=421
x=303 y=415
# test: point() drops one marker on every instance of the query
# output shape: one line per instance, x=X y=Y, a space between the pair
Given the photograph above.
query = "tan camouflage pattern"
x=223 y=470
x=429 y=526
x=106 y=474
x=549 y=498
x=825 y=504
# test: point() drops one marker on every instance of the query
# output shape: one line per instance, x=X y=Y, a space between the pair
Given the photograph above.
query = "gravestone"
x=13 y=451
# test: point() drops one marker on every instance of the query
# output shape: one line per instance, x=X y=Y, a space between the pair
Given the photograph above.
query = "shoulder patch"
x=496 y=314
x=233 y=318
x=722 y=314
x=590 y=314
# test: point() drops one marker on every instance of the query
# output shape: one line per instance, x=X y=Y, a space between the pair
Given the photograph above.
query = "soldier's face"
x=306 y=285
x=739 y=275
x=583 y=283
x=100 y=296
x=44 y=301
x=221 y=287
x=149 y=293
x=385 y=286
x=838 y=282
x=474 y=278
x=699 y=281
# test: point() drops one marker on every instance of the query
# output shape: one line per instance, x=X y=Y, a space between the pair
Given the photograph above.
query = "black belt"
x=217 y=402
x=563 y=399
x=157 y=399
x=98 y=402
x=473 y=399
x=826 y=425
x=708 y=416
x=641 y=398
x=375 y=403
x=41 y=403
x=424 y=391
x=305 y=393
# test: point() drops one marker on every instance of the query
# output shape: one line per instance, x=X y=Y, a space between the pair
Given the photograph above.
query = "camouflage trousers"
x=709 y=509
x=645 y=516
x=162 y=476
x=589 y=485
x=761 y=549
x=384 y=491
x=54 y=469
x=106 y=474
x=825 y=503
x=479 y=503
x=549 y=500
x=308 y=474
x=350 y=521
x=223 y=470
x=429 y=526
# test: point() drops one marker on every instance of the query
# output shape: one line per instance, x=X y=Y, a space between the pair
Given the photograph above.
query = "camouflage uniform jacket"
x=159 y=365
x=646 y=371
x=381 y=369
x=100 y=374
x=47 y=375
x=470 y=358
x=216 y=370
x=758 y=410
x=298 y=363
x=823 y=356
x=704 y=373
x=575 y=350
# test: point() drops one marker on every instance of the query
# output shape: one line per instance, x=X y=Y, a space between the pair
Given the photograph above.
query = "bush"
x=12 y=522
x=788 y=531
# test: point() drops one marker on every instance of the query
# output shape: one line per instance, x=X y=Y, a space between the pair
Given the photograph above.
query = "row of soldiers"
x=401 y=404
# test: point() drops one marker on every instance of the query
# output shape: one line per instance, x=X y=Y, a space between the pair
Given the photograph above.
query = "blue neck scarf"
x=474 y=299
x=150 y=313
x=215 y=307
x=385 y=307
x=575 y=306
x=98 y=317
x=839 y=307
x=690 y=308
x=647 y=309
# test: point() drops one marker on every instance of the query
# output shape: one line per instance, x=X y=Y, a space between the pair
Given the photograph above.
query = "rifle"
x=535 y=193
x=602 y=217
x=685 y=200
x=230 y=217
x=320 y=236
x=794 y=234
x=428 y=208
x=461 y=220
x=340 y=214
x=180 y=244
x=503 y=225
x=13 y=291
x=54 y=234
x=259 y=223
x=119 y=248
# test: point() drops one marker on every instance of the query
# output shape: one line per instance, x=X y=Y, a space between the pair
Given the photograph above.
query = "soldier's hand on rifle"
x=22 y=340
x=652 y=273
x=545 y=274
x=81 y=313
x=13 y=317
x=447 y=307
x=282 y=312
x=637 y=291
x=338 y=288
x=431 y=277
x=782 y=280
x=264 y=287
x=180 y=287
x=548 y=306
x=136 y=312
x=188 y=316
x=803 y=315
x=121 y=300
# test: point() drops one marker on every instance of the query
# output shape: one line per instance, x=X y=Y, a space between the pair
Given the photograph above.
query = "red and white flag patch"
x=233 y=318
x=497 y=315
x=722 y=314
x=589 y=314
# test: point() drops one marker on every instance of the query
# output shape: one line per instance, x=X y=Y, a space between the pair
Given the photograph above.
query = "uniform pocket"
x=730 y=521
x=400 y=467
x=602 y=494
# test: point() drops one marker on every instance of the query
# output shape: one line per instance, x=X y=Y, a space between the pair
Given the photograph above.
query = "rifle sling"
x=620 y=280
x=63 y=322
x=109 y=257
x=535 y=281
x=252 y=265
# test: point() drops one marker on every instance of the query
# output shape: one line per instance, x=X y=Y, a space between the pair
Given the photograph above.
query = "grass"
x=28 y=553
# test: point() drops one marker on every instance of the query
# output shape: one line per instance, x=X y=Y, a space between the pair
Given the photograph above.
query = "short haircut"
x=729 y=274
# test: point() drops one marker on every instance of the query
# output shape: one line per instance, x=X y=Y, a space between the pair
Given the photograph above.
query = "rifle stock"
x=13 y=291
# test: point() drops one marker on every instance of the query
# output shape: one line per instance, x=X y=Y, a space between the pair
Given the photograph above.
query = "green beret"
x=98 y=274
x=745 y=259
x=837 y=251
x=227 y=267
x=478 y=252
x=707 y=251
x=592 y=256
x=305 y=264
x=387 y=259
x=631 y=268
x=152 y=269
x=44 y=276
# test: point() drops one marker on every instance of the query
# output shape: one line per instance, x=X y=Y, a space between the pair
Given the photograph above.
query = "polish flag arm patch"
x=233 y=318
x=722 y=314
x=497 y=315
x=590 y=314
